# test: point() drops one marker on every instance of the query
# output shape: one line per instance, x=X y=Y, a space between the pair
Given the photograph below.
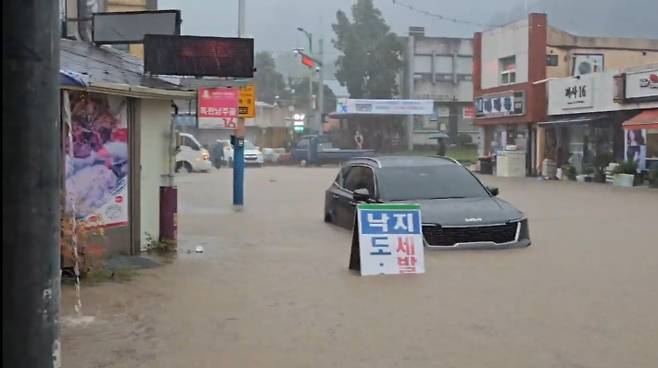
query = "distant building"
x=439 y=69
x=512 y=64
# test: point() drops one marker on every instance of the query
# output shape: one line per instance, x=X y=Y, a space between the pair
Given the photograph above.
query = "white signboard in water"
x=390 y=239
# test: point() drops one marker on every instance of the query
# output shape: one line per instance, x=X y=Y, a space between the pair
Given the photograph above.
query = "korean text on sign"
x=390 y=239
x=217 y=108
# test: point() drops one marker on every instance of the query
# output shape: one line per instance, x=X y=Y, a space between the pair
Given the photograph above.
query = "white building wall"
x=600 y=88
x=511 y=40
x=154 y=118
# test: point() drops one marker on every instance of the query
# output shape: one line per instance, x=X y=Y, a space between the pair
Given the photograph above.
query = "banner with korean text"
x=217 y=108
x=389 y=238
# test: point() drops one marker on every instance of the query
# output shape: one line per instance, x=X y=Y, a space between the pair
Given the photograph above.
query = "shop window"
x=507 y=69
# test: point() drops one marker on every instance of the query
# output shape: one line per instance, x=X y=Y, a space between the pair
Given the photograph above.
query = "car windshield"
x=428 y=182
x=249 y=146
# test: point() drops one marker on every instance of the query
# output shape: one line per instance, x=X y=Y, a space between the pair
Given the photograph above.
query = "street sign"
x=217 y=108
x=388 y=240
x=247 y=101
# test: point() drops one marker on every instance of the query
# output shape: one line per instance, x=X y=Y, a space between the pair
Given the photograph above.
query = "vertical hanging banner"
x=247 y=101
x=97 y=160
x=388 y=240
x=217 y=108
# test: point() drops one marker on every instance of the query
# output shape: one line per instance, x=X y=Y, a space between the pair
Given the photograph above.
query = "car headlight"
x=206 y=156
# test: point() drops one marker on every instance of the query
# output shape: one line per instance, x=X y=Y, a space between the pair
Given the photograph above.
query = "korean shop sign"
x=217 y=108
x=388 y=240
x=572 y=93
x=510 y=103
x=642 y=84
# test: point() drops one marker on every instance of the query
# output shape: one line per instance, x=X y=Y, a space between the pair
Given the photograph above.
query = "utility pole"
x=310 y=83
x=410 y=89
x=31 y=184
x=309 y=114
x=238 y=146
x=320 y=86
x=241 y=17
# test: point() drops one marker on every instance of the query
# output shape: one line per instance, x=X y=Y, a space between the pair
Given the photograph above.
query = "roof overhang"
x=573 y=120
x=132 y=91
x=647 y=119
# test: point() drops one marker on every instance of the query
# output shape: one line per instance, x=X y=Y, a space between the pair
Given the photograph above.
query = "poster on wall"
x=636 y=147
x=96 y=149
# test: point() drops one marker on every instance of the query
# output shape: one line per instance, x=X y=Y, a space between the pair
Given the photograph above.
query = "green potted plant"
x=625 y=174
x=653 y=177
x=568 y=172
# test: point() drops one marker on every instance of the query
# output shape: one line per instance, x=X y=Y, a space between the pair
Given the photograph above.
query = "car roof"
x=404 y=161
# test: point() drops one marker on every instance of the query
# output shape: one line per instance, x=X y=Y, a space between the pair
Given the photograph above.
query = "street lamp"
x=309 y=36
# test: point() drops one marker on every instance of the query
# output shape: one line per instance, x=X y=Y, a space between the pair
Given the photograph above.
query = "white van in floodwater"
x=191 y=156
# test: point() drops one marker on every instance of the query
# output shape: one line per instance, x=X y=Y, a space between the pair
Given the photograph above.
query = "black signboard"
x=199 y=56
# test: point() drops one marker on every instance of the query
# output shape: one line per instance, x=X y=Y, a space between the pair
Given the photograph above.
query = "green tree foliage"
x=300 y=96
x=269 y=82
x=371 y=53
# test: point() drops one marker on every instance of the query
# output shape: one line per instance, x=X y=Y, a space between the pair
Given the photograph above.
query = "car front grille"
x=449 y=236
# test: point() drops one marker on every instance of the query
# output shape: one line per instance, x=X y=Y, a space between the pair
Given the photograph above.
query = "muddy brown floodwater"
x=273 y=290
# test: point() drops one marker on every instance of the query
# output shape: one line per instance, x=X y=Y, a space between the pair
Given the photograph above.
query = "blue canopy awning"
x=72 y=79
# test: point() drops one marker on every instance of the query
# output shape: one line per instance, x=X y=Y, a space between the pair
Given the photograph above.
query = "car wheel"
x=183 y=167
x=328 y=219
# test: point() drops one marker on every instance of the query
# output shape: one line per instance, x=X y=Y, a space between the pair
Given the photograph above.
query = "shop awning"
x=574 y=120
x=647 y=119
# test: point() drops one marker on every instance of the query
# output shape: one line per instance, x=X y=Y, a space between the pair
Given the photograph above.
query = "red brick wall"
x=536 y=103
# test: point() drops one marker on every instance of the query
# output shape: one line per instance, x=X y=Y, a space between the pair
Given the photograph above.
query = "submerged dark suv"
x=457 y=210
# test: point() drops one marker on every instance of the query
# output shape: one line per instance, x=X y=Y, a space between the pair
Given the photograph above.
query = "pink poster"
x=217 y=108
x=96 y=148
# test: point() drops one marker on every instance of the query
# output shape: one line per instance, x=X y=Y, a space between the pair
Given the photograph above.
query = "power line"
x=440 y=16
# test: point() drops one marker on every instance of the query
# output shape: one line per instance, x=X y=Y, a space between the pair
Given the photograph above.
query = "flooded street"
x=272 y=288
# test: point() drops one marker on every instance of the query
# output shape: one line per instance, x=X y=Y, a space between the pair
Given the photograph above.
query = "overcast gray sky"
x=273 y=22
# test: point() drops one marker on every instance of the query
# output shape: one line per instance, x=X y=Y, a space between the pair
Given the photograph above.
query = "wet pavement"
x=272 y=288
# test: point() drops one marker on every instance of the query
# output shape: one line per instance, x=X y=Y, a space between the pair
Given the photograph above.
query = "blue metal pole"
x=238 y=172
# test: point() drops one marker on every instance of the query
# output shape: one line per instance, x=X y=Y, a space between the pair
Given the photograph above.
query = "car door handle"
x=353 y=204
x=335 y=196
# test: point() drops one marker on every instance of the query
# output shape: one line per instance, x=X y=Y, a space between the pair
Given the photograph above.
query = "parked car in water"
x=191 y=156
x=252 y=154
x=457 y=210
x=318 y=150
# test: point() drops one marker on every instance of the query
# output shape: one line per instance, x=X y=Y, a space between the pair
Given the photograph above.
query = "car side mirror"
x=493 y=190
x=361 y=195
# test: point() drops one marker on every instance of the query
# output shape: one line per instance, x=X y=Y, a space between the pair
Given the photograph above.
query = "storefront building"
x=641 y=131
x=117 y=145
x=511 y=65
x=590 y=122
